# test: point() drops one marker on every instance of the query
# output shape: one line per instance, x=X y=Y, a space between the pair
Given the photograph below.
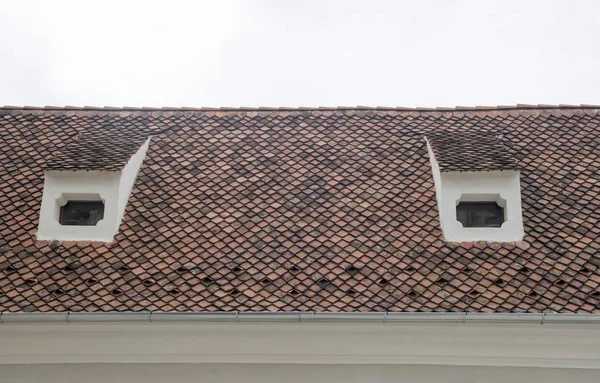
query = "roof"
x=470 y=151
x=319 y=209
x=106 y=148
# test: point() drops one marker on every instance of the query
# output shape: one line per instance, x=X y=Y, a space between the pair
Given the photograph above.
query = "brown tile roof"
x=304 y=209
x=470 y=151
x=103 y=148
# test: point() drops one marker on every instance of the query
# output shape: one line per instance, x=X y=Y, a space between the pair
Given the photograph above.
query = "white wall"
x=505 y=183
x=475 y=344
x=299 y=353
x=287 y=373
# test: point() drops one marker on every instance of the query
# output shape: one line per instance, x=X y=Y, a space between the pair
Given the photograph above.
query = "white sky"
x=299 y=53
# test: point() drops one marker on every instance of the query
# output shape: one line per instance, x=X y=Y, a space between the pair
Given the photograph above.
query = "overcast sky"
x=299 y=53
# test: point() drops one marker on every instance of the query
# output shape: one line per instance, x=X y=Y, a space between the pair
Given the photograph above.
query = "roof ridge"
x=301 y=108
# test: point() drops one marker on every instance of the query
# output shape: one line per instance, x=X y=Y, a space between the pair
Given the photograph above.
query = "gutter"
x=304 y=317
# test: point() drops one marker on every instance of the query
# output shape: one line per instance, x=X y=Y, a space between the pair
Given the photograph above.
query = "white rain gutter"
x=299 y=317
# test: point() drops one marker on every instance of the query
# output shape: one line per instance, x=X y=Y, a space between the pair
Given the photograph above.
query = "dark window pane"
x=81 y=213
x=480 y=214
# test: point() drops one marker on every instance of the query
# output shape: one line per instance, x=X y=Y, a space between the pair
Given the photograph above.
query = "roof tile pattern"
x=470 y=151
x=105 y=147
x=326 y=210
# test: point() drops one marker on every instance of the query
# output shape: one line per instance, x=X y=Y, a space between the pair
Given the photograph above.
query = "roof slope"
x=106 y=148
x=470 y=151
x=322 y=209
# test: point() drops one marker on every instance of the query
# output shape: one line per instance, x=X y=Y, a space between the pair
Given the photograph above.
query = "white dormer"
x=477 y=187
x=84 y=204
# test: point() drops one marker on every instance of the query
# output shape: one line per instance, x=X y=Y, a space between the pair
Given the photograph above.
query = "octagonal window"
x=480 y=214
x=81 y=213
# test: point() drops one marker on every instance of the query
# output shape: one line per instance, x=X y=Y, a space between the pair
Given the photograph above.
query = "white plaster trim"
x=558 y=346
x=500 y=186
x=60 y=186
x=112 y=187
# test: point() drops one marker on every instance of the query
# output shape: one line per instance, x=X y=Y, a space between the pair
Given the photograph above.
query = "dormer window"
x=480 y=214
x=81 y=213
x=85 y=197
x=477 y=186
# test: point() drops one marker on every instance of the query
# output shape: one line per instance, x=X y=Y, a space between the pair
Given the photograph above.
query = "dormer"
x=87 y=185
x=477 y=187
